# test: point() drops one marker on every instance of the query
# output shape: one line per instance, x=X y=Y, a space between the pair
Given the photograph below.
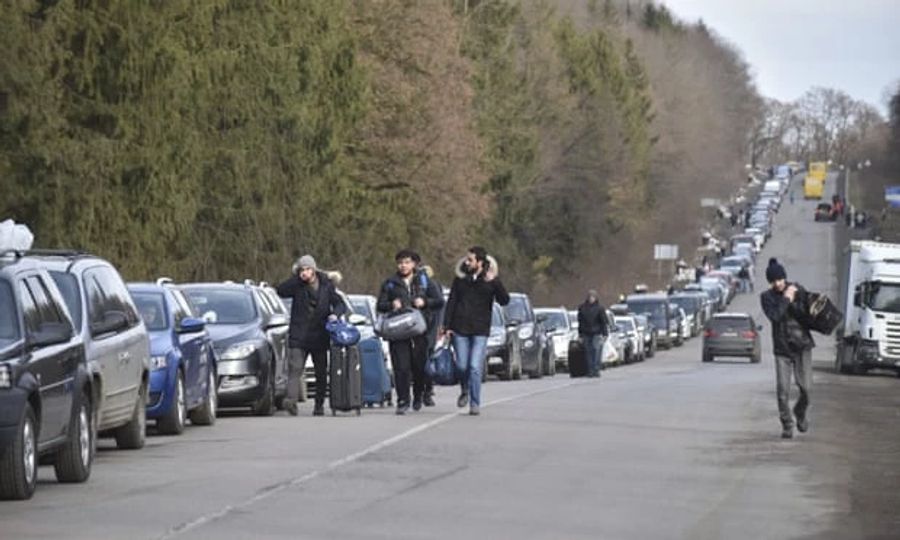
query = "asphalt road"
x=670 y=448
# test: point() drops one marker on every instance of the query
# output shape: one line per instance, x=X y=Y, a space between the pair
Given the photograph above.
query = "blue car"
x=183 y=376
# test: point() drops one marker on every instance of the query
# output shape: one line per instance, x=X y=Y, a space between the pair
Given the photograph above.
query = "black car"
x=500 y=345
x=731 y=334
x=693 y=308
x=46 y=397
x=520 y=314
x=656 y=307
x=249 y=333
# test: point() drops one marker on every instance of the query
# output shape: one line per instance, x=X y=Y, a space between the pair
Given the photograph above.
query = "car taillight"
x=748 y=334
x=709 y=333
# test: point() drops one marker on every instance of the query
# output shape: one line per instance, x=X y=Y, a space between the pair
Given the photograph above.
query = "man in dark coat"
x=592 y=327
x=784 y=304
x=409 y=288
x=315 y=301
x=468 y=319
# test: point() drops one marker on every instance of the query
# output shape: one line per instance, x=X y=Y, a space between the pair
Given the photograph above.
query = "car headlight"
x=526 y=332
x=5 y=376
x=239 y=351
x=495 y=340
x=158 y=362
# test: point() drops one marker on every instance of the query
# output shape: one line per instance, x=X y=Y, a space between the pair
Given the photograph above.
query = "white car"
x=628 y=324
x=559 y=333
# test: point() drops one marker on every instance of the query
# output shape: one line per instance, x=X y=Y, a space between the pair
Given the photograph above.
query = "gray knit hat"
x=305 y=261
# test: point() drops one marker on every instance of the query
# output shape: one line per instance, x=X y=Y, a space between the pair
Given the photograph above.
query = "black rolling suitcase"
x=578 y=365
x=345 y=392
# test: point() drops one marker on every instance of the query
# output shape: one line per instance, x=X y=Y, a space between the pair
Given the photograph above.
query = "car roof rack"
x=164 y=281
x=249 y=282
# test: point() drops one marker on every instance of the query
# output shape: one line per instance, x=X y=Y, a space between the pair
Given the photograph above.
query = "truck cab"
x=870 y=335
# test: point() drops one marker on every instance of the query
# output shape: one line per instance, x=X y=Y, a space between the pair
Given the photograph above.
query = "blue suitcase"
x=376 y=380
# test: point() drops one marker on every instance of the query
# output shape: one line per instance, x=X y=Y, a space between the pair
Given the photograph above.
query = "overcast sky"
x=792 y=45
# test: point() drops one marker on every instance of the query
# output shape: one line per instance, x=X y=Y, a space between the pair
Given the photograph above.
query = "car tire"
x=133 y=435
x=73 y=460
x=484 y=368
x=265 y=406
x=175 y=419
x=19 y=461
x=205 y=415
x=756 y=358
x=508 y=369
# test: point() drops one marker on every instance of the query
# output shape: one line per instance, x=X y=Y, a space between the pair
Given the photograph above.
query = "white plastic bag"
x=15 y=236
x=609 y=354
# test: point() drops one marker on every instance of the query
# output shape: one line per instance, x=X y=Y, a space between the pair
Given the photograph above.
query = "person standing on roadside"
x=428 y=396
x=315 y=301
x=784 y=305
x=410 y=289
x=468 y=319
x=592 y=327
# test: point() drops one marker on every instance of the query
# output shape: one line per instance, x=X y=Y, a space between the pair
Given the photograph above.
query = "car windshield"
x=625 y=324
x=223 y=306
x=656 y=310
x=361 y=307
x=730 y=323
x=68 y=286
x=496 y=316
x=517 y=309
x=9 y=324
x=152 y=308
x=885 y=297
x=687 y=303
x=555 y=320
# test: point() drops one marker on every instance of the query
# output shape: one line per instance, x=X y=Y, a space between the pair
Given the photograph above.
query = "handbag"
x=441 y=366
x=342 y=333
x=400 y=325
x=822 y=315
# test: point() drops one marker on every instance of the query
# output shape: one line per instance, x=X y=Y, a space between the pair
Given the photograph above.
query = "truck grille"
x=892 y=343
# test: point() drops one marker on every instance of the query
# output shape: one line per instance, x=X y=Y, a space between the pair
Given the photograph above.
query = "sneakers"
x=474 y=410
x=291 y=407
x=463 y=400
x=417 y=404
x=787 y=433
x=319 y=410
x=802 y=425
x=402 y=408
x=428 y=401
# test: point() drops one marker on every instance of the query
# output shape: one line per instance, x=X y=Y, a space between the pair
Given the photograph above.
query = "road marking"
x=274 y=489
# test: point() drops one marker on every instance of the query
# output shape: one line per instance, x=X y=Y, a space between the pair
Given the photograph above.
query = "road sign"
x=892 y=196
x=665 y=252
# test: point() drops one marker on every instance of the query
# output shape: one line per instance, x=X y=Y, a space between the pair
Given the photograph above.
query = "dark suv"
x=46 y=403
x=115 y=341
x=249 y=330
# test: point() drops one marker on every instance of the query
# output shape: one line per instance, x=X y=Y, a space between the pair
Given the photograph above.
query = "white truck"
x=869 y=336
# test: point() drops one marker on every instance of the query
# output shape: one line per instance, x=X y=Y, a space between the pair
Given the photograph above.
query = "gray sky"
x=792 y=45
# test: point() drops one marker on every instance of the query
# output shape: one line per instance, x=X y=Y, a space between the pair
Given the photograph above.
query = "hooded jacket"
x=787 y=317
x=471 y=301
x=310 y=311
x=395 y=288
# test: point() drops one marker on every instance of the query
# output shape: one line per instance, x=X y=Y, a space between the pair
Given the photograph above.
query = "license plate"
x=729 y=334
x=494 y=360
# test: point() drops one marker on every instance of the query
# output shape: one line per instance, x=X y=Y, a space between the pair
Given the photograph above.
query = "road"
x=670 y=448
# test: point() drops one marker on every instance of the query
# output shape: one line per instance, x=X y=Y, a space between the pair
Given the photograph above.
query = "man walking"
x=783 y=303
x=428 y=396
x=409 y=289
x=468 y=319
x=315 y=301
x=592 y=327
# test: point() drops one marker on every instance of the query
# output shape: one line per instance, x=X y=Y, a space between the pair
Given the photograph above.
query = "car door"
x=192 y=347
x=104 y=350
x=274 y=321
x=53 y=366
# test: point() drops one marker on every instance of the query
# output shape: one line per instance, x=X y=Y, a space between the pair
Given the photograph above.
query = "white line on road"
x=274 y=489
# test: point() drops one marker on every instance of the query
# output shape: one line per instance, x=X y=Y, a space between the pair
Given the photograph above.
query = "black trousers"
x=296 y=368
x=408 y=359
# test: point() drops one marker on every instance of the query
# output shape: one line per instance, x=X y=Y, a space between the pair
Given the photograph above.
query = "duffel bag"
x=823 y=315
x=400 y=325
x=441 y=366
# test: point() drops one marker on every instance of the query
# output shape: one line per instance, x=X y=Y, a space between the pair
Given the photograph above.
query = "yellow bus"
x=813 y=186
x=818 y=169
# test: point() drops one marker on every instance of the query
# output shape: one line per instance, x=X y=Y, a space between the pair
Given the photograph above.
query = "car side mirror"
x=50 y=334
x=112 y=322
x=357 y=320
x=190 y=325
x=277 y=320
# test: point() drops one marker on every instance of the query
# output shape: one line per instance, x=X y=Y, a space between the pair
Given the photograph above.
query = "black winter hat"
x=775 y=271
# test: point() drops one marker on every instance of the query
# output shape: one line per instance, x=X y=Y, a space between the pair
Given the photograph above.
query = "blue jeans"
x=470 y=351
x=592 y=353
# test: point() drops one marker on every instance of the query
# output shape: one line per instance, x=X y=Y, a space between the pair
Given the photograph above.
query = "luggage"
x=376 y=381
x=400 y=325
x=441 y=366
x=345 y=392
x=824 y=316
x=578 y=364
x=342 y=332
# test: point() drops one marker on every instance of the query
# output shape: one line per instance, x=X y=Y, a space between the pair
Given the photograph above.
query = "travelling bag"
x=441 y=366
x=400 y=325
x=345 y=392
x=823 y=315
x=578 y=365
x=376 y=381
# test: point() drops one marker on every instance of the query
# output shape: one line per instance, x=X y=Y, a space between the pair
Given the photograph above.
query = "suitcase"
x=376 y=381
x=345 y=392
x=578 y=365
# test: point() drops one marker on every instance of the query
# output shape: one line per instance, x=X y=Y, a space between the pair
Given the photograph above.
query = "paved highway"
x=670 y=448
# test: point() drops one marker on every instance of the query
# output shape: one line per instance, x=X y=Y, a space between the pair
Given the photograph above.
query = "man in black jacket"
x=314 y=301
x=784 y=304
x=409 y=288
x=592 y=326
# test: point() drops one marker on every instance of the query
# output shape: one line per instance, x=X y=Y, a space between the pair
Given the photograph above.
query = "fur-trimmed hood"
x=460 y=266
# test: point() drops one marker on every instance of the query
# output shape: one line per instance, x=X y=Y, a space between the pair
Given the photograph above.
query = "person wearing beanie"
x=315 y=301
x=784 y=304
x=592 y=327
